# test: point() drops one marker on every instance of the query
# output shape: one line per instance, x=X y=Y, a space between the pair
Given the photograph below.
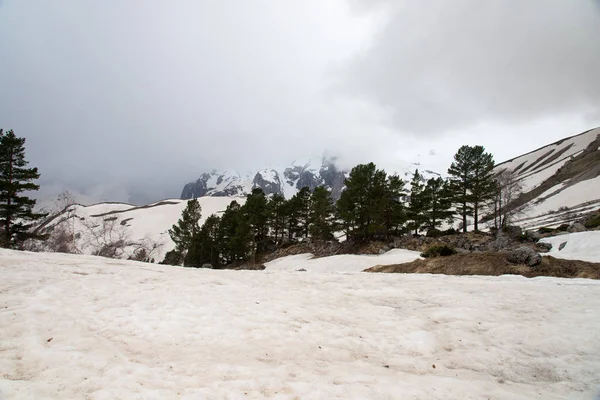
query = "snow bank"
x=341 y=263
x=75 y=327
x=583 y=246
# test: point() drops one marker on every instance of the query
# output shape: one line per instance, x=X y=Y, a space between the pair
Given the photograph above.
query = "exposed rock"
x=512 y=231
x=533 y=235
x=268 y=180
x=562 y=246
x=207 y=266
x=525 y=255
x=576 y=227
x=543 y=246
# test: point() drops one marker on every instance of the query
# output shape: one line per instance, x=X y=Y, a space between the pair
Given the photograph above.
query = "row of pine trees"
x=373 y=205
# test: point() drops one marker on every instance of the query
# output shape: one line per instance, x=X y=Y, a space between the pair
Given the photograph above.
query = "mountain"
x=284 y=181
x=561 y=181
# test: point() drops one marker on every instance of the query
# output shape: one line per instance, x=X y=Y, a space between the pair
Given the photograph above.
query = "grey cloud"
x=439 y=64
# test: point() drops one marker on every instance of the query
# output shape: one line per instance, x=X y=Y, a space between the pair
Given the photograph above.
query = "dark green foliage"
x=321 y=214
x=371 y=204
x=187 y=227
x=416 y=203
x=277 y=217
x=16 y=210
x=255 y=214
x=471 y=182
x=173 y=257
x=437 y=201
x=205 y=245
x=233 y=237
x=438 y=251
x=434 y=233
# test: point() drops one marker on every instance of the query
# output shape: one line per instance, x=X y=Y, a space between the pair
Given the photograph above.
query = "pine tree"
x=228 y=229
x=321 y=214
x=395 y=215
x=303 y=208
x=205 y=245
x=277 y=217
x=186 y=228
x=461 y=171
x=483 y=185
x=416 y=203
x=16 y=210
x=471 y=181
x=255 y=212
x=437 y=202
x=354 y=205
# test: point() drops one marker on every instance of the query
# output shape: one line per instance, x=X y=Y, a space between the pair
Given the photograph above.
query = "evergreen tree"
x=228 y=229
x=394 y=213
x=471 y=181
x=321 y=214
x=368 y=206
x=483 y=185
x=16 y=210
x=205 y=245
x=461 y=171
x=277 y=217
x=416 y=203
x=255 y=213
x=186 y=228
x=303 y=198
x=437 y=202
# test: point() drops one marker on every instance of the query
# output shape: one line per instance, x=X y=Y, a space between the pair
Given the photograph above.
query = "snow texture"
x=76 y=327
x=583 y=246
x=341 y=263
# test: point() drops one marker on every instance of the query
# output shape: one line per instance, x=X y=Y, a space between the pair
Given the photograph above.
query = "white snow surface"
x=147 y=223
x=83 y=327
x=341 y=263
x=583 y=246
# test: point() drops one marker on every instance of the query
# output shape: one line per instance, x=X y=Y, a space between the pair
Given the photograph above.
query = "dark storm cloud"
x=438 y=65
x=128 y=100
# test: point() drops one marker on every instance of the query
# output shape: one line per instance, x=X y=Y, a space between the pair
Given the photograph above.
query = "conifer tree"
x=321 y=214
x=186 y=228
x=16 y=210
x=255 y=213
x=277 y=217
x=228 y=229
x=471 y=181
x=205 y=247
x=416 y=203
x=437 y=202
x=394 y=213
x=461 y=171
x=303 y=208
x=483 y=184
x=354 y=203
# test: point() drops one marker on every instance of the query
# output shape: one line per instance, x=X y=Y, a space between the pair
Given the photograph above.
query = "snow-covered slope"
x=560 y=180
x=142 y=226
x=583 y=246
x=341 y=263
x=82 y=327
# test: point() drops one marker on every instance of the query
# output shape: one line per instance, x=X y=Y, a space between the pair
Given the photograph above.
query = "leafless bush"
x=106 y=237
x=146 y=250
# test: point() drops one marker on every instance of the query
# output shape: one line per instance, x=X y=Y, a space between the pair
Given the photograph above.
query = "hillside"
x=146 y=226
x=560 y=181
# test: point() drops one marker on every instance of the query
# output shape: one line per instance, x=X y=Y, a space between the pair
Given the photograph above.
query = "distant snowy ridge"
x=284 y=181
x=560 y=180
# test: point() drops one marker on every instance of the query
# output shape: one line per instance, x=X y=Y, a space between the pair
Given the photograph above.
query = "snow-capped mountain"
x=284 y=181
x=561 y=181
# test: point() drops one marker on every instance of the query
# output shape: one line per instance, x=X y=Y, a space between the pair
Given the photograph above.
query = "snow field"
x=583 y=246
x=341 y=263
x=85 y=327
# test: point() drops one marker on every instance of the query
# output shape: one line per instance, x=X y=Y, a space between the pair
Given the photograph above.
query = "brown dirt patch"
x=493 y=264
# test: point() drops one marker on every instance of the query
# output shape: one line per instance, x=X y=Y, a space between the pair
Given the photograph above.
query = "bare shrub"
x=106 y=237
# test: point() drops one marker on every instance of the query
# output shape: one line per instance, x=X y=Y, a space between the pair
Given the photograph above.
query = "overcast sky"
x=129 y=100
